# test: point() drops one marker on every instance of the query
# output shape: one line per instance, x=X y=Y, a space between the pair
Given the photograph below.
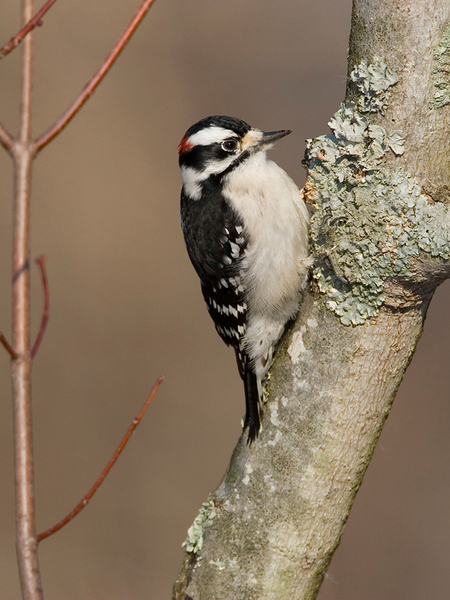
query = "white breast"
x=276 y=222
x=276 y=264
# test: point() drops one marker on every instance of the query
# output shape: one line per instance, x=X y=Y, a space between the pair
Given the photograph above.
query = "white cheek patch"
x=193 y=179
x=210 y=135
x=191 y=182
x=217 y=166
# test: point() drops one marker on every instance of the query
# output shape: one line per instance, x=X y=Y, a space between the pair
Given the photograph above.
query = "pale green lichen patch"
x=196 y=532
x=372 y=83
x=442 y=71
x=369 y=223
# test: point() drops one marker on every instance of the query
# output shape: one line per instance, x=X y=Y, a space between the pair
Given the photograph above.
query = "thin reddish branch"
x=45 y=311
x=6 y=139
x=91 y=86
x=105 y=471
x=32 y=23
x=8 y=347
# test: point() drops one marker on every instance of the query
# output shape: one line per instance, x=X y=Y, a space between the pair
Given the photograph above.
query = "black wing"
x=216 y=243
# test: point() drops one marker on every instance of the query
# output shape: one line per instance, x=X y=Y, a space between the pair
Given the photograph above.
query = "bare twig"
x=32 y=23
x=105 y=471
x=45 y=311
x=91 y=86
x=6 y=139
x=23 y=152
x=8 y=346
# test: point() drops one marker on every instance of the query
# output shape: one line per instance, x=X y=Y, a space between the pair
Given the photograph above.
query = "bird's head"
x=215 y=145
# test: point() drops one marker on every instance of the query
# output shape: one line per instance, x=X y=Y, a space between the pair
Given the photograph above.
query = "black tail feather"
x=251 y=405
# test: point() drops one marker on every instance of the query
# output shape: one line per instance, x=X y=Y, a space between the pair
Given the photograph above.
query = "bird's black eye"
x=229 y=145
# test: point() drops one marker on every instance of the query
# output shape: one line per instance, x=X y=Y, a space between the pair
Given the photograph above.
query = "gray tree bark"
x=380 y=233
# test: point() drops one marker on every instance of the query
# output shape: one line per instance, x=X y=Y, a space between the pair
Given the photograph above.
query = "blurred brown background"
x=126 y=304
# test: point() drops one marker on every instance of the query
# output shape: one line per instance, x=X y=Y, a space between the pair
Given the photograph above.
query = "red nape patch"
x=184 y=145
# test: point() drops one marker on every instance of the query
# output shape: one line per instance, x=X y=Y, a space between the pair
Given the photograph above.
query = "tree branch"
x=32 y=23
x=380 y=234
x=106 y=470
x=91 y=86
x=45 y=311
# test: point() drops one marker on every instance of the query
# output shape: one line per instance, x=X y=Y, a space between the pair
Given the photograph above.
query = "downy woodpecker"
x=245 y=227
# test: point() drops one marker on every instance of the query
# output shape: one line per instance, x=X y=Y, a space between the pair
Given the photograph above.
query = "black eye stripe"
x=199 y=156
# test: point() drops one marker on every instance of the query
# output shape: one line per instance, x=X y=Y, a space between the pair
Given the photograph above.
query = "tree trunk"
x=380 y=233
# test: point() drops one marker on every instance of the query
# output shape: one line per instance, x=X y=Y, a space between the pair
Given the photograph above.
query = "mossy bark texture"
x=379 y=187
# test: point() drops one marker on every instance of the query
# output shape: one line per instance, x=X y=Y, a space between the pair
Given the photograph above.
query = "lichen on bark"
x=370 y=220
x=442 y=71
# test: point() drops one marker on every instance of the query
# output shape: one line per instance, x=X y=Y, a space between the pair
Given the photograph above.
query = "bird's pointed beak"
x=256 y=139
x=270 y=137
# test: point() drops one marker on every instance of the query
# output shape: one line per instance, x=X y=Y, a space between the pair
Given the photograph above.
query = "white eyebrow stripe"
x=211 y=135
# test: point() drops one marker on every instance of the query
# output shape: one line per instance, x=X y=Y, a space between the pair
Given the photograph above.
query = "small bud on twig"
x=36 y=21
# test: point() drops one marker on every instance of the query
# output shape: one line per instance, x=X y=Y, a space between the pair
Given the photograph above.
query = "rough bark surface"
x=380 y=186
x=413 y=37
